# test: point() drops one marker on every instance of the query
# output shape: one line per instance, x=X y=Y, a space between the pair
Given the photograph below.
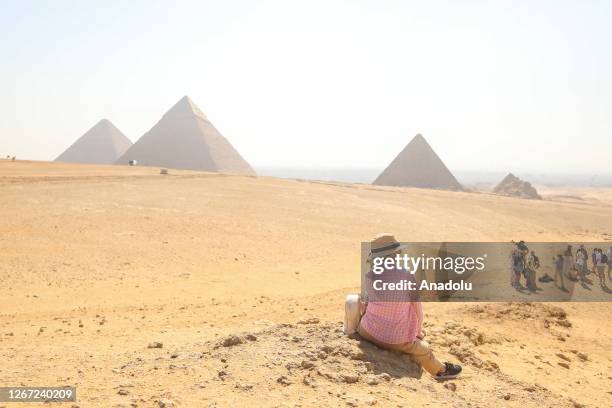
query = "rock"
x=349 y=378
x=251 y=337
x=155 y=344
x=564 y=365
x=308 y=380
x=244 y=386
x=231 y=341
x=450 y=386
x=576 y=404
x=165 y=403
x=222 y=374
x=506 y=397
x=122 y=392
x=384 y=376
x=327 y=374
x=307 y=364
x=327 y=349
x=563 y=356
x=174 y=355
x=309 y=320
x=564 y=323
x=357 y=354
x=283 y=380
x=372 y=380
x=583 y=356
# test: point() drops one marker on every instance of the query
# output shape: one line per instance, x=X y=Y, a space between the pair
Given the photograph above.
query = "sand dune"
x=98 y=262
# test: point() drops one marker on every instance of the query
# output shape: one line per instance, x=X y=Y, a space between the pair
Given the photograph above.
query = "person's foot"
x=450 y=371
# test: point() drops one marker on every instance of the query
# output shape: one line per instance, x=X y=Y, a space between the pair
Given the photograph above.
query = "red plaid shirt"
x=393 y=322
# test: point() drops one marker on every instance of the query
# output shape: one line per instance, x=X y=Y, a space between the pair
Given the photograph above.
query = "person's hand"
x=421 y=335
x=362 y=307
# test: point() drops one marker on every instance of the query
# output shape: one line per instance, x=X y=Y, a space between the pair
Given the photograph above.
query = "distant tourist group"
x=576 y=266
x=566 y=265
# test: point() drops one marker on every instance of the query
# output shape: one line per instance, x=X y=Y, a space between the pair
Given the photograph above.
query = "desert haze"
x=207 y=290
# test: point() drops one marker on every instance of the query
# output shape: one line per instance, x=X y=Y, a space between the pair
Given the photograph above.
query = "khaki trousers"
x=418 y=350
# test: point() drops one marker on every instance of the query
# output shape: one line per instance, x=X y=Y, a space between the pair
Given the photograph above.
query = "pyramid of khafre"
x=418 y=166
x=185 y=139
x=102 y=144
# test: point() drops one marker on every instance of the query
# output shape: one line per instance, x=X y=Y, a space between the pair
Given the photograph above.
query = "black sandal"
x=451 y=371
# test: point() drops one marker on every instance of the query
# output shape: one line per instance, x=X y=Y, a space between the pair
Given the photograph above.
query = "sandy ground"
x=242 y=281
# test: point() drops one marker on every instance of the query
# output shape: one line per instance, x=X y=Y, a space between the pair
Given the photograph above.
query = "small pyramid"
x=418 y=166
x=102 y=144
x=184 y=138
x=513 y=186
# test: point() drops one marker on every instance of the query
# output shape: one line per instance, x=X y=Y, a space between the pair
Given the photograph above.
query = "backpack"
x=604 y=258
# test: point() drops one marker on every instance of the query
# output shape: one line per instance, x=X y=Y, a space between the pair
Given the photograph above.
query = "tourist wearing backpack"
x=600 y=266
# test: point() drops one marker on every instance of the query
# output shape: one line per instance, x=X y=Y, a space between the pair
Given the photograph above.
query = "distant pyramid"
x=418 y=166
x=102 y=144
x=185 y=139
x=515 y=187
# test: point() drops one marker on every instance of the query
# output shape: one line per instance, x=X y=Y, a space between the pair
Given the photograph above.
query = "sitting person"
x=397 y=325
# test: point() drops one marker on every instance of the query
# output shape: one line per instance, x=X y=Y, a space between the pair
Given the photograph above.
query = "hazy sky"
x=492 y=85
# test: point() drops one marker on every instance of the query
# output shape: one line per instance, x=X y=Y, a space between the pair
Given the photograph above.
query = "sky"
x=492 y=85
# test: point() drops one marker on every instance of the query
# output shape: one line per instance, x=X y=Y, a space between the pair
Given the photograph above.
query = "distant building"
x=184 y=138
x=418 y=166
x=102 y=144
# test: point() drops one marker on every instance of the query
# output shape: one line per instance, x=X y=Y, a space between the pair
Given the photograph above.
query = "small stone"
x=450 y=386
x=384 y=376
x=165 y=403
x=251 y=337
x=155 y=344
x=307 y=364
x=283 y=380
x=564 y=365
x=372 y=380
x=232 y=341
x=349 y=378
x=507 y=397
x=122 y=392
x=583 y=356
x=308 y=380
x=174 y=355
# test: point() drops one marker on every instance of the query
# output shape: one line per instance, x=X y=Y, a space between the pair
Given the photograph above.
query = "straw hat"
x=384 y=245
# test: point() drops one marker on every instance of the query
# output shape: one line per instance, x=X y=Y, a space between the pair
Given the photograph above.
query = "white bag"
x=352 y=314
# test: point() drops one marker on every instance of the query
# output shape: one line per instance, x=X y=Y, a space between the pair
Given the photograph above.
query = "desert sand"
x=205 y=290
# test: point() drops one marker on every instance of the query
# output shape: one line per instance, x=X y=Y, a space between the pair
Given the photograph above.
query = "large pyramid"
x=102 y=144
x=418 y=166
x=185 y=139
